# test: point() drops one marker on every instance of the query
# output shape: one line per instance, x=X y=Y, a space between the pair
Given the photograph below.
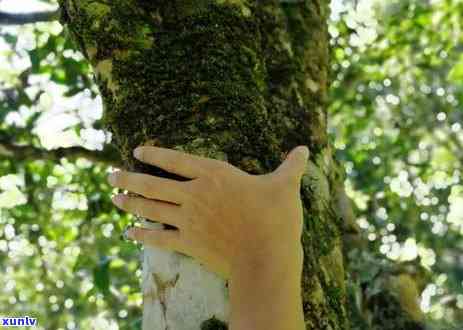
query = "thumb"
x=294 y=164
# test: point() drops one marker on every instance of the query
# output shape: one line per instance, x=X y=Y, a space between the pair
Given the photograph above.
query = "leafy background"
x=395 y=120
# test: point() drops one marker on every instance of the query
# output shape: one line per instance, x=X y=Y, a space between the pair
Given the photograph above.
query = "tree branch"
x=18 y=19
x=108 y=155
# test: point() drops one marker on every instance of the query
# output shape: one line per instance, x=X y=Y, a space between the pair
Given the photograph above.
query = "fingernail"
x=137 y=152
x=131 y=233
x=117 y=199
x=304 y=151
x=112 y=178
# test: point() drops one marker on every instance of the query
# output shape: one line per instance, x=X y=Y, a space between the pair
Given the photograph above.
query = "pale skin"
x=246 y=228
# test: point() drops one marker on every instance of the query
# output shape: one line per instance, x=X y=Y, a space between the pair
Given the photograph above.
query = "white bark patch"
x=178 y=293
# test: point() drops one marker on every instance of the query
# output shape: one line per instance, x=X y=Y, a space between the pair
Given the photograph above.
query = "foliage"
x=396 y=123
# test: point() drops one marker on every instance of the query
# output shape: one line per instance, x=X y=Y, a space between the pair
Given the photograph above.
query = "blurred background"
x=395 y=120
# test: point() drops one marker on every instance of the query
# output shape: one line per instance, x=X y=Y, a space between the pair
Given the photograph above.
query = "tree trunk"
x=235 y=80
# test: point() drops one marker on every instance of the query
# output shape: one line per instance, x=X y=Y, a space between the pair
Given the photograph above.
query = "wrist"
x=274 y=262
x=265 y=292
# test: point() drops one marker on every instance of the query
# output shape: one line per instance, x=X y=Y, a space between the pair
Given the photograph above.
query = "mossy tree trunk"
x=242 y=81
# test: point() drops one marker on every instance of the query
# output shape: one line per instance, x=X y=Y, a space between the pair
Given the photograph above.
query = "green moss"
x=230 y=76
x=335 y=298
x=96 y=10
x=307 y=30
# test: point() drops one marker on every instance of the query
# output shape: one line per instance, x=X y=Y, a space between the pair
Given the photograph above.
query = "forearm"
x=266 y=294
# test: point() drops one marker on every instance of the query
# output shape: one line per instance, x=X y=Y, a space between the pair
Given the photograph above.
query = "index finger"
x=183 y=164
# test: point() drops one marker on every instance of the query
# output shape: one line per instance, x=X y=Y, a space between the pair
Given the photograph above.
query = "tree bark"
x=235 y=80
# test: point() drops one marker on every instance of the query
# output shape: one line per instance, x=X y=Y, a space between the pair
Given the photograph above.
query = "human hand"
x=225 y=216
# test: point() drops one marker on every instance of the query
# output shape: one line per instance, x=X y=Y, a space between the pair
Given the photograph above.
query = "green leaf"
x=101 y=275
x=456 y=74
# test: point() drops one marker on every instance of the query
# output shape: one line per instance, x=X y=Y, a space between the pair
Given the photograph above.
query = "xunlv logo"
x=18 y=321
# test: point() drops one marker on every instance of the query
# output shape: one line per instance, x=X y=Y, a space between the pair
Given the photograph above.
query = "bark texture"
x=236 y=80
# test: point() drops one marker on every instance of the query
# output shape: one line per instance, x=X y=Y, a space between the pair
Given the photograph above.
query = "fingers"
x=150 y=209
x=149 y=186
x=162 y=238
x=183 y=164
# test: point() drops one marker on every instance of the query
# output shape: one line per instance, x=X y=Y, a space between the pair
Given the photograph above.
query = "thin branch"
x=108 y=155
x=19 y=19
